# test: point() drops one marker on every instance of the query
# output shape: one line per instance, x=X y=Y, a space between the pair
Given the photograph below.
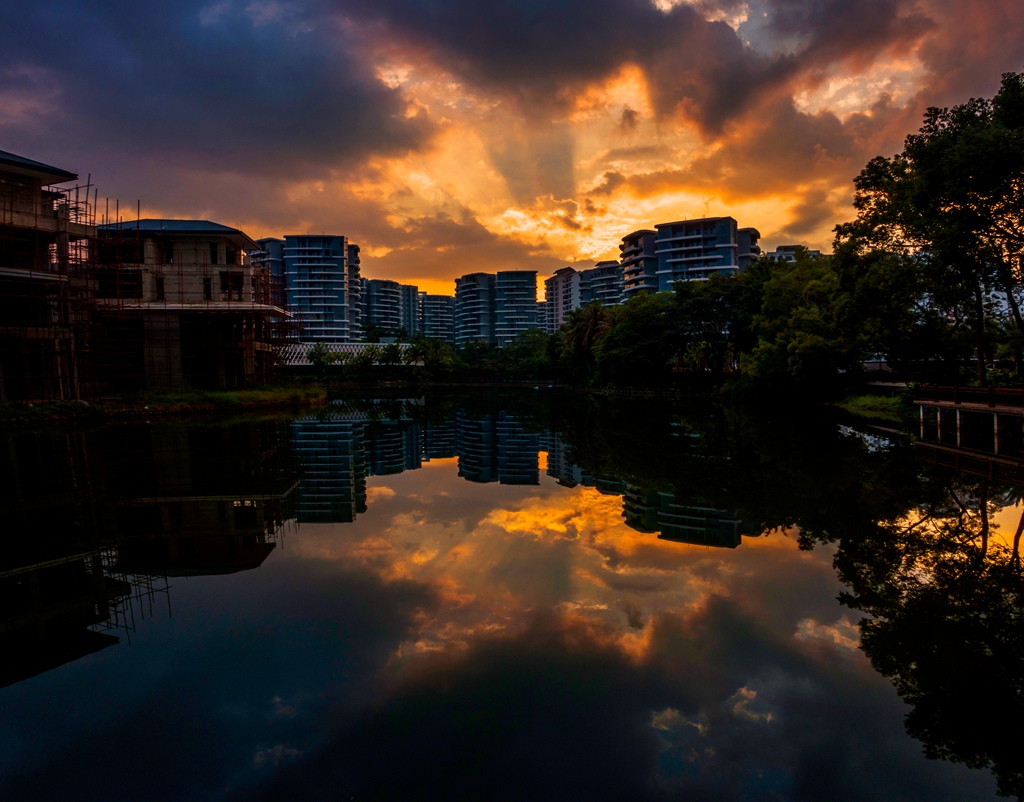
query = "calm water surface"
x=513 y=599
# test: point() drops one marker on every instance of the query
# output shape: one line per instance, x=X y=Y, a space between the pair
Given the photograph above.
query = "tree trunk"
x=979 y=331
x=1015 y=558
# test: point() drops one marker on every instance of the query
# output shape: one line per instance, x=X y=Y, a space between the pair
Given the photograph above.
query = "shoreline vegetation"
x=868 y=407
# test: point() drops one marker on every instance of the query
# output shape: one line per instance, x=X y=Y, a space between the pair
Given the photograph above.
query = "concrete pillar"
x=958 y=428
x=921 y=416
x=995 y=431
x=938 y=422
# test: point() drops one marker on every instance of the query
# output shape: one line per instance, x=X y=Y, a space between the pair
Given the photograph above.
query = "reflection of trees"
x=940 y=590
x=943 y=599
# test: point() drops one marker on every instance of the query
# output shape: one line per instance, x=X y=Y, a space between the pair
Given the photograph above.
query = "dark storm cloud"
x=813 y=211
x=542 y=52
x=227 y=87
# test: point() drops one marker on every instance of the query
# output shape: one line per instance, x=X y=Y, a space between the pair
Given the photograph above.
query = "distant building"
x=382 y=304
x=270 y=257
x=437 y=317
x=787 y=253
x=355 y=295
x=515 y=304
x=601 y=283
x=474 y=309
x=690 y=250
x=561 y=296
x=410 y=309
x=639 y=263
x=322 y=284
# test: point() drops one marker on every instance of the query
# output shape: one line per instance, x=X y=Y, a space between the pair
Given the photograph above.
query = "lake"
x=538 y=596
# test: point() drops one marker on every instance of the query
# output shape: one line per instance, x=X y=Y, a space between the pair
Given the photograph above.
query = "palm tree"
x=584 y=328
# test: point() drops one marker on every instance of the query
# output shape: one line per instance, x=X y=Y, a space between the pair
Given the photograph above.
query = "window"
x=159 y=288
x=231 y=286
x=207 y=289
x=213 y=253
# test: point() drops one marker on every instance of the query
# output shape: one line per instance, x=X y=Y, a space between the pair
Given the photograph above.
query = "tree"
x=706 y=311
x=954 y=199
x=638 y=346
x=582 y=330
x=800 y=338
x=533 y=355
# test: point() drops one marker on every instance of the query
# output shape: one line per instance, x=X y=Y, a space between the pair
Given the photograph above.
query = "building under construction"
x=44 y=242
x=178 y=305
x=89 y=309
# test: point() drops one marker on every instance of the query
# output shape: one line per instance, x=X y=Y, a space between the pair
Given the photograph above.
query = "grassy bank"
x=896 y=409
x=306 y=395
x=150 y=404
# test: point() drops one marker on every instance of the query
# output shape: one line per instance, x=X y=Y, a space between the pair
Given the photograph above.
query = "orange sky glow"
x=447 y=138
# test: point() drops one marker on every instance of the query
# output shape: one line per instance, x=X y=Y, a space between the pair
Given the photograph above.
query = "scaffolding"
x=44 y=235
x=97 y=302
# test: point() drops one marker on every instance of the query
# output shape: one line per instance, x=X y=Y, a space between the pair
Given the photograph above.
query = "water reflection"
x=509 y=600
x=100 y=520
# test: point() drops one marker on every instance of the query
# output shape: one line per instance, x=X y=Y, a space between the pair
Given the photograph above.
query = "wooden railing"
x=1004 y=397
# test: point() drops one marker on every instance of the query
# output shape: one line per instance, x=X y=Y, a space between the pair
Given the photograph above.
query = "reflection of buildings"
x=673 y=519
x=333 y=460
x=52 y=612
x=440 y=440
x=569 y=474
x=113 y=513
x=496 y=448
x=393 y=447
x=668 y=514
x=478 y=447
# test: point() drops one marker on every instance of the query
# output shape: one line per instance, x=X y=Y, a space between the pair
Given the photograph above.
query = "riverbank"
x=163 y=404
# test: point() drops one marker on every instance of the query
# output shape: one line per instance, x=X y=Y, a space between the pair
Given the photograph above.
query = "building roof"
x=694 y=220
x=19 y=164
x=167 y=226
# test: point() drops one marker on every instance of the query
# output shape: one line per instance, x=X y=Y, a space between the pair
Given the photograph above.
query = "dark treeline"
x=928 y=279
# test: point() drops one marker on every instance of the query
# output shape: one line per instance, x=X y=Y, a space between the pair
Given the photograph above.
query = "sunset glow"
x=446 y=139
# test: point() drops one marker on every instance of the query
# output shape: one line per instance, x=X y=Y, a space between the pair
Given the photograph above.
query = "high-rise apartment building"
x=696 y=249
x=410 y=309
x=561 y=296
x=474 y=308
x=322 y=286
x=391 y=306
x=601 y=283
x=355 y=295
x=639 y=263
x=270 y=257
x=437 y=317
x=382 y=304
x=515 y=304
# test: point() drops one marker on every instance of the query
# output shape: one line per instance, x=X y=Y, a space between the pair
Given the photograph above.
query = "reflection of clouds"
x=378 y=492
x=670 y=720
x=843 y=633
x=494 y=555
x=283 y=709
x=741 y=702
x=275 y=756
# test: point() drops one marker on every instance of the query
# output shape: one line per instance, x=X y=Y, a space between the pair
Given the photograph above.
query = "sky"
x=452 y=136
